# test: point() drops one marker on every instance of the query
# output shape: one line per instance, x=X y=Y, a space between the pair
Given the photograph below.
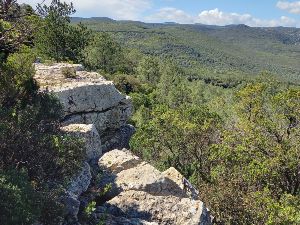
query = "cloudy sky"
x=216 y=12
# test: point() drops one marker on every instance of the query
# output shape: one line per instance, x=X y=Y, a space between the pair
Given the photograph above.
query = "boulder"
x=107 y=120
x=78 y=185
x=87 y=99
x=164 y=210
x=138 y=190
x=91 y=138
x=80 y=182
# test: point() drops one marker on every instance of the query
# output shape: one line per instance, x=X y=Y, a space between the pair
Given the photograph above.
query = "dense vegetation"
x=31 y=185
x=202 y=105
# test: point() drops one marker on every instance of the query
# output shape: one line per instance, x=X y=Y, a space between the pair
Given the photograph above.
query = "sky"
x=268 y=13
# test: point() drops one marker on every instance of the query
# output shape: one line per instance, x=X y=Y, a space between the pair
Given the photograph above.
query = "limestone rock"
x=110 y=118
x=141 y=191
x=182 y=182
x=165 y=210
x=89 y=92
x=89 y=134
x=101 y=215
x=78 y=185
x=81 y=182
x=88 y=99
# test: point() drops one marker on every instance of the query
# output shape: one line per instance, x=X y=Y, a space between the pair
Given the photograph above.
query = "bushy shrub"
x=19 y=203
x=31 y=141
x=127 y=83
x=69 y=72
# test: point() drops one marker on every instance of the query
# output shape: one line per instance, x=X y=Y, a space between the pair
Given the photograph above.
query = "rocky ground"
x=97 y=112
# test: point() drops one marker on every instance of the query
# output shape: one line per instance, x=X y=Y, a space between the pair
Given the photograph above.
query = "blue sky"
x=216 y=12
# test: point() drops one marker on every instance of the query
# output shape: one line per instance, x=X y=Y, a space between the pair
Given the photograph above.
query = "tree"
x=78 y=38
x=172 y=87
x=104 y=53
x=53 y=37
x=258 y=158
x=148 y=70
x=16 y=27
x=180 y=138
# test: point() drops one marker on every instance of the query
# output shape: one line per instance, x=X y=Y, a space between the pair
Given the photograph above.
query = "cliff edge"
x=95 y=111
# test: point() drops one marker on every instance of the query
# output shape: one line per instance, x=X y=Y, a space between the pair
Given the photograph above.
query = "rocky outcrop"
x=89 y=134
x=95 y=111
x=135 y=192
x=141 y=191
x=77 y=186
x=88 y=99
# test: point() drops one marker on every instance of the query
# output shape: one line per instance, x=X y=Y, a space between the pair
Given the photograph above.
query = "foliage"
x=148 y=70
x=103 y=53
x=260 y=153
x=56 y=38
x=224 y=55
x=173 y=86
x=90 y=208
x=18 y=203
x=180 y=138
x=68 y=72
x=127 y=83
x=16 y=27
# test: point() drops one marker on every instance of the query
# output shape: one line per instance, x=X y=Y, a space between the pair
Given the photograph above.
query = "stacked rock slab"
x=89 y=99
x=96 y=112
x=139 y=191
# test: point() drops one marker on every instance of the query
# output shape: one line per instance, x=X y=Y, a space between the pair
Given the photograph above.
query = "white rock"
x=141 y=191
x=81 y=182
x=89 y=134
x=78 y=185
x=87 y=99
x=163 y=209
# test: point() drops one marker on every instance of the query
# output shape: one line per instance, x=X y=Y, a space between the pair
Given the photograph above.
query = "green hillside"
x=236 y=50
x=202 y=105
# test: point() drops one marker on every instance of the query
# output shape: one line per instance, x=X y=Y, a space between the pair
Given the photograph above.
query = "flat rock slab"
x=88 y=92
x=86 y=99
x=165 y=210
x=141 y=191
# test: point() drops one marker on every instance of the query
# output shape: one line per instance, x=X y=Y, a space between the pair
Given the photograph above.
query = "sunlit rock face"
x=138 y=190
x=88 y=98
x=97 y=113
x=94 y=111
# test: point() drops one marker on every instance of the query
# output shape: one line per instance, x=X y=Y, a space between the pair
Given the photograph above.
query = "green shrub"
x=69 y=72
x=127 y=83
x=19 y=203
x=30 y=140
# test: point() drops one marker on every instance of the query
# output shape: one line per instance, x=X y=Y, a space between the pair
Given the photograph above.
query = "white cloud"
x=291 y=7
x=135 y=10
x=217 y=17
x=116 y=9
x=170 y=15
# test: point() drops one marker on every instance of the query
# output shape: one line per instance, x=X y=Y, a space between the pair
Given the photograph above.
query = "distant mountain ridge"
x=226 y=49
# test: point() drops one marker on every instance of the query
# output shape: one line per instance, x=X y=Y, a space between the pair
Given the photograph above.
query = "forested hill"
x=234 y=50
